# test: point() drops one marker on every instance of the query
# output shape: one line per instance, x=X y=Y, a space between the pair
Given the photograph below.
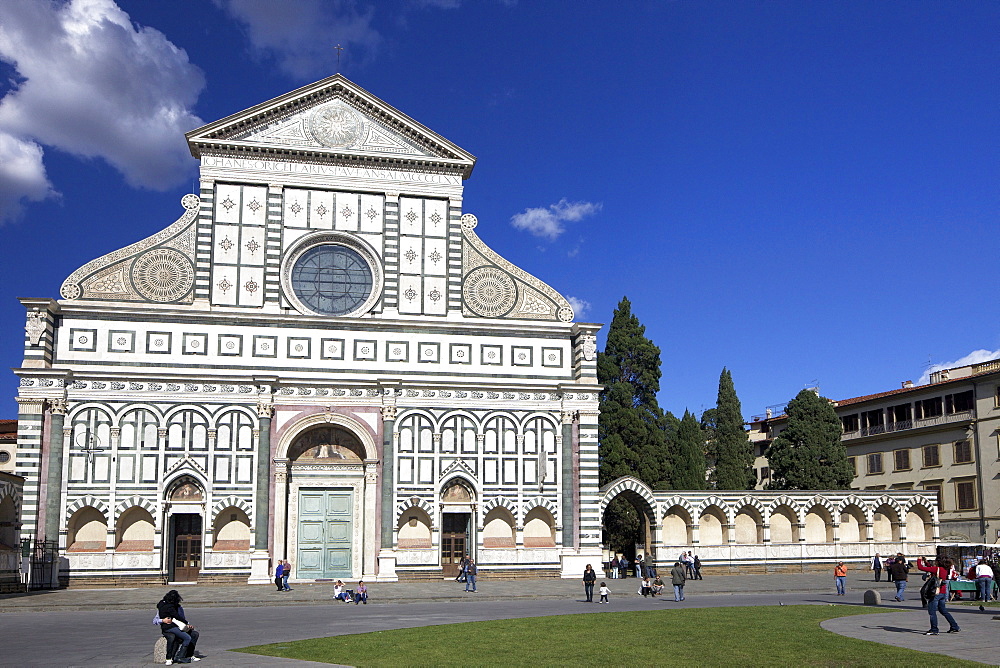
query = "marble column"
x=53 y=492
x=388 y=478
x=260 y=566
x=569 y=537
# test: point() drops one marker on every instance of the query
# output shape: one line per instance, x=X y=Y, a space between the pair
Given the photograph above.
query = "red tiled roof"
x=880 y=395
x=903 y=390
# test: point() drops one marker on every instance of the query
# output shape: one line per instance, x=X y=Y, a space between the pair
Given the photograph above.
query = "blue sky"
x=805 y=192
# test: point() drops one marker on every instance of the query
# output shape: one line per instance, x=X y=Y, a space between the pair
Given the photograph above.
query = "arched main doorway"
x=185 y=508
x=325 y=501
x=457 y=522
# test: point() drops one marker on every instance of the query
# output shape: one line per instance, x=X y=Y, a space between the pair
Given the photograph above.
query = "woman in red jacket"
x=941 y=570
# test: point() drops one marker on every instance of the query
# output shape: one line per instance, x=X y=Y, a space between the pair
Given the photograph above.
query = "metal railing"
x=904 y=425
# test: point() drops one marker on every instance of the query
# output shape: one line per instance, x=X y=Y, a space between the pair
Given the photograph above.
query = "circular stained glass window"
x=332 y=279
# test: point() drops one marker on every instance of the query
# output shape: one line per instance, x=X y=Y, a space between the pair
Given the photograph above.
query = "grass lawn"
x=754 y=636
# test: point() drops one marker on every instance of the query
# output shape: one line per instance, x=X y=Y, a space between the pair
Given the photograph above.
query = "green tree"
x=687 y=454
x=808 y=453
x=632 y=427
x=733 y=450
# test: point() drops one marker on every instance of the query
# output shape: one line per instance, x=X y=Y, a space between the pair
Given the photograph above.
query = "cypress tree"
x=632 y=427
x=687 y=456
x=808 y=453
x=733 y=451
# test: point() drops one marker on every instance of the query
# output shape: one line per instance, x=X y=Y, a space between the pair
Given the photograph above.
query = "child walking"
x=604 y=593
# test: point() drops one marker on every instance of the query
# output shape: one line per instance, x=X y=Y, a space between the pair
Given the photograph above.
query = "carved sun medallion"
x=162 y=275
x=335 y=125
x=489 y=292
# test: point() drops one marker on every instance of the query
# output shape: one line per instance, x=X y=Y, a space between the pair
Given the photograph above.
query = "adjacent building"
x=942 y=437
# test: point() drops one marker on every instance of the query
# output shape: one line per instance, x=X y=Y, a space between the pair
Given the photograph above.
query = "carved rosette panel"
x=336 y=125
x=156 y=269
x=162 y=275
x=489 y=292
x=494 y=288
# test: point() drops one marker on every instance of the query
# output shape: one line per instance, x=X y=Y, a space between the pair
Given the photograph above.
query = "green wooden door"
x=326 y=525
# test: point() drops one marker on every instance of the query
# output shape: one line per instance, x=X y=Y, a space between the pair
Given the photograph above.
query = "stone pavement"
x=112 y=627
x=401 y=592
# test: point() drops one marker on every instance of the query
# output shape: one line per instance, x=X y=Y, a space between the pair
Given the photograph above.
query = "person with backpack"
x=937 y=584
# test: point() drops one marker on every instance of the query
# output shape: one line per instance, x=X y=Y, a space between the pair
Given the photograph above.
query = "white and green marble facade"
x=188 y=358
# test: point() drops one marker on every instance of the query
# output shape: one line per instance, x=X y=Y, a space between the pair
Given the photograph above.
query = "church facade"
x=319 y=361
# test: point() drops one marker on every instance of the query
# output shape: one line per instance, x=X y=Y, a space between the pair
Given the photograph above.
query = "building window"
x=996 y=397
x=960 y=402
x=928 y=408
x=935 y=487
x=932 y=455
x=901 y=416
x=901 y=458
x=851 y=423
x=965 y=494
x=853 y=461
x=963 y=452
x=875 y=463
x=873 y=422
x=765 y=473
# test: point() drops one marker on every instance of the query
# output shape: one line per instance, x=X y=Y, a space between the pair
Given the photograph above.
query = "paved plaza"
x=108 y=627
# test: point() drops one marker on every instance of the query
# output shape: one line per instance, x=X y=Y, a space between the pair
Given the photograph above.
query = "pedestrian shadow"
x=892 y=629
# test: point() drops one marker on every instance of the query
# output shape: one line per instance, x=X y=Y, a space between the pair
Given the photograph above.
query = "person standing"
x=697 y=568
x=689 y=565
x=470 y=575
x=614 y=567
x=279 y=572
x=677 y=579
x=877 y=567
x=984 y=580
x=840 y=576
x=898 y=574
x=623 y=567
x=462 y=565
x=604 y=592
x=589 y=578
x=284 y=576
x=887 y=565
x=942 y=571
x=638 y=566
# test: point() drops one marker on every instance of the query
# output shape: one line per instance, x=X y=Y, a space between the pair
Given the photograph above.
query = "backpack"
x=930 y=587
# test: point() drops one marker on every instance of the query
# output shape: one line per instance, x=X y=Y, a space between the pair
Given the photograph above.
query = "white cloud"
x=547 y=222
x=300 y=35
x=22 y=175
x=975 y=357
x=94 y=85
x=580 y=306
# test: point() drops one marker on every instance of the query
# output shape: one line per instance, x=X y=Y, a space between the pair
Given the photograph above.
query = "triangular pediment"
x=333 y=118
